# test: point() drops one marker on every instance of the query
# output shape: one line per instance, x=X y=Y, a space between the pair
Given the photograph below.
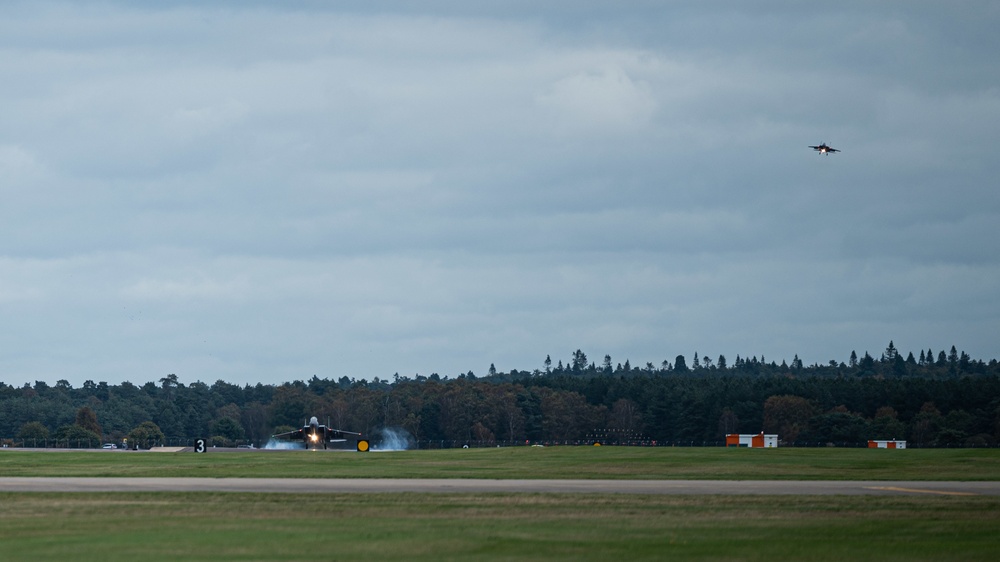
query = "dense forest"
x=931 y=400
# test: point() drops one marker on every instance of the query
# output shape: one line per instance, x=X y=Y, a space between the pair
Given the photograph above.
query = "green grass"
x=397 y=526
x=227 y=526
x=526 y=462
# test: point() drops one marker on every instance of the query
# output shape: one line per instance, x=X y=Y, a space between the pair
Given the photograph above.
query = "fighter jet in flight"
x=314 y=433
x=824 y=149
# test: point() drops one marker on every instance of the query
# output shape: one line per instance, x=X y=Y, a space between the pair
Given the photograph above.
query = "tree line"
x=932 y=399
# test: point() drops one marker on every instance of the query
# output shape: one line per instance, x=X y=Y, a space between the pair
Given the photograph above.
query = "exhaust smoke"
x=279 y=445
x=395 y=439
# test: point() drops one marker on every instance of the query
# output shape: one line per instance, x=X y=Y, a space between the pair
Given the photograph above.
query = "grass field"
x=526 y=462
x=404 y=526
x=171 y=526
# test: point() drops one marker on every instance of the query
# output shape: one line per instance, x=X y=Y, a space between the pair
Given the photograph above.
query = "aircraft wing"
x=338 y=434
x=298 y=434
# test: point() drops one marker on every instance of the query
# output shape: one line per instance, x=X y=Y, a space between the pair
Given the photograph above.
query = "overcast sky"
x=263 y=192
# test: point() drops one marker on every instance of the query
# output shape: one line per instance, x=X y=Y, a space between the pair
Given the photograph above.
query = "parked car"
x=109 y=446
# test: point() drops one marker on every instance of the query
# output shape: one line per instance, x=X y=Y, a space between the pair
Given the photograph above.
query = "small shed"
x=758 y=440
x=886 y=444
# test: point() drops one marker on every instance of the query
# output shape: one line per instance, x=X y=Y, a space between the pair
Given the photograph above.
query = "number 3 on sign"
x=199 y=446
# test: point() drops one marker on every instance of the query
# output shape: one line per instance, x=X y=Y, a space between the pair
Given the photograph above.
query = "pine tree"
x=680 y=364
x=891 y=353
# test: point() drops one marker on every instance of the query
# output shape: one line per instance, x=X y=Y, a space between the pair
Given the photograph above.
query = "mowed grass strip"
x=229 y=526
x=525 y=462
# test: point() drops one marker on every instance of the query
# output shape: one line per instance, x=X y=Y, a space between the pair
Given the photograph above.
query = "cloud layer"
x=260 y=193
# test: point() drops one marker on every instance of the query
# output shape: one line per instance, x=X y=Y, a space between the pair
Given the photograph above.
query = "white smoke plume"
x=394 y=439
x=277 y=444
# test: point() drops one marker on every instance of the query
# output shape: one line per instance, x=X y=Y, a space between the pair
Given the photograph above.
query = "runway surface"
x=386 y=485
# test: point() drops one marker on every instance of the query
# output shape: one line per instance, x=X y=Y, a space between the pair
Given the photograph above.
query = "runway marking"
x=920 y=491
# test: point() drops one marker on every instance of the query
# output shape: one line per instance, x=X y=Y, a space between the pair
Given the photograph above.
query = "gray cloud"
x=261 y=193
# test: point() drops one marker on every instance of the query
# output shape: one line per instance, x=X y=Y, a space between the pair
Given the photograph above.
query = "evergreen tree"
x=680 y=364
x=899 y=365
x=891 y=353
x=867 y=363
x=169 y=384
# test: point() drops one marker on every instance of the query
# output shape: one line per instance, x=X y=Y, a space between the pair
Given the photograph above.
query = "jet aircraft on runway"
x=314 y=433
